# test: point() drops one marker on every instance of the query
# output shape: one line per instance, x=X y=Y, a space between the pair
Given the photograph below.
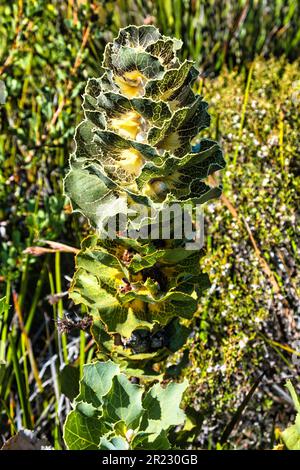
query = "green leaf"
x=69 y=381
x=109 y=106
x=136 y=363
x=291 y=435
x=118 y=318
x=138 y=36
x=165 y=49
x=145 y=441
x=157 y=295
x=119 y=157
x=174 y=86
x=123 y=402
x=124 y=59
x=176 y=134
x=178 y=335
x=162 y=407
x=113 y=443
x=86 y=187
x=293 y=394
x=96 y=382
x=179 y=174
x=82 y=432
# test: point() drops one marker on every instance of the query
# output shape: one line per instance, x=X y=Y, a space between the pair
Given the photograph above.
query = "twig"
x=261 y=259
x=238 y=414
x=54 y=248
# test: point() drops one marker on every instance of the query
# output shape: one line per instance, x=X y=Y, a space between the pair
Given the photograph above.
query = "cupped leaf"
x=132 y=68
x=176 y=133
x=124 y=61
x=142 y=347
x=148 y=38
x=179 y=174
x=174 y=86
x=137 y=36
x=125 y=298
x=165 y=50
x=122 y=114
x=88 y=188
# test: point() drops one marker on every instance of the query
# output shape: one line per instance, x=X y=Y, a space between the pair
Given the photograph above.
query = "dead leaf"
x=26 y=440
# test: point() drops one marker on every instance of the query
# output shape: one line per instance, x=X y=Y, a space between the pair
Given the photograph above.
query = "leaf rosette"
x=134 y=148
x=141 y=116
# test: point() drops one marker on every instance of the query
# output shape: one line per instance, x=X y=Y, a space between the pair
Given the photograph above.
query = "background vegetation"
x=246 y=335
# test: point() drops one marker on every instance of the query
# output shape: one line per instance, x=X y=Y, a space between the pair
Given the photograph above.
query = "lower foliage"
x=113 y=413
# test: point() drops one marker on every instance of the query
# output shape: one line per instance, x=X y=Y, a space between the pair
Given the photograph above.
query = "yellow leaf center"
x=127 y=125
x=131 y=161
x=131 y=84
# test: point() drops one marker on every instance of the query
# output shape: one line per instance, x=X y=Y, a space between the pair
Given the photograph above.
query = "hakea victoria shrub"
x=135 y=145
